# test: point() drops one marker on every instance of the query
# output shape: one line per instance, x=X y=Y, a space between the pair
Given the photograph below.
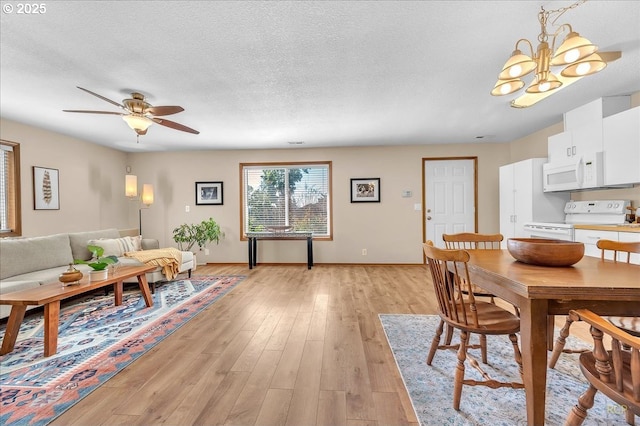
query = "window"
x=295 y=195
x=10 y=223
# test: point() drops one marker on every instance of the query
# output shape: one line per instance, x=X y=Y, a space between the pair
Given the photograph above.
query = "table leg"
x=309 y=252
x=533 y=331
x=51 y=320
x=13 y=328
x=144 y=289
x=250 y=254
x=254 y=250
x=117 y=292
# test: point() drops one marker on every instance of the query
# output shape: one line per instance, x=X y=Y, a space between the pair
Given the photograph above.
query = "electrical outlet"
x=206 y=252
x=187 y=209
x=364 y=252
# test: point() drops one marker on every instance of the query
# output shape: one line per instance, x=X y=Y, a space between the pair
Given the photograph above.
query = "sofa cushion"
x=80 y=240
x=117 y=246
x=45 y=276
x=23 y=255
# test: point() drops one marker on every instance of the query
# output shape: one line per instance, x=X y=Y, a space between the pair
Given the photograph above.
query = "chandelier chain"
x=544 y=15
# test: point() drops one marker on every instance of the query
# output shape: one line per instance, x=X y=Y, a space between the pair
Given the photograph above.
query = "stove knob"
x=609 y=205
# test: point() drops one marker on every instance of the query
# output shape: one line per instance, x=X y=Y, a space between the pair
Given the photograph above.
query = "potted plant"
x=97 y=263
x=188 y=235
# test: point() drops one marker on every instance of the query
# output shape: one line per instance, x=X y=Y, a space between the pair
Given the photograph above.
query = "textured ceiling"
x=253 y=75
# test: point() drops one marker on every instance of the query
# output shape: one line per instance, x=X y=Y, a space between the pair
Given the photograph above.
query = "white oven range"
x=604 y=212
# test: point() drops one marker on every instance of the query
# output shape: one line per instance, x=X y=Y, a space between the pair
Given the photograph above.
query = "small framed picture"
x=208 y=193
x=46 y=195
x=365 y=190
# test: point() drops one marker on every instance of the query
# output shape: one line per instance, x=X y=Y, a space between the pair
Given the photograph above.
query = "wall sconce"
x=131 y=186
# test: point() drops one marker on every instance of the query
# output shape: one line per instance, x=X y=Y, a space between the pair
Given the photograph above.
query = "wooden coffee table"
x=50 y=296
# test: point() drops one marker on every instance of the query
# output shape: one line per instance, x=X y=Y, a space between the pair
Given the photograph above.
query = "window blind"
x=295 y=195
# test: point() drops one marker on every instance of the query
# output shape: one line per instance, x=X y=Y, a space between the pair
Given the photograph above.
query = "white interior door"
x=449 y=198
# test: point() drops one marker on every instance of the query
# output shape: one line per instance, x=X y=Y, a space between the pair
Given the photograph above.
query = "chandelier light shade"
x=587 y=66
x=131 y=186
x=576 y=55
x=518 y=65
x=572 y=49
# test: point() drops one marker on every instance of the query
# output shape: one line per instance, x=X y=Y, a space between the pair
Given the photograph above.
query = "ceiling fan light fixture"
x=137 y=122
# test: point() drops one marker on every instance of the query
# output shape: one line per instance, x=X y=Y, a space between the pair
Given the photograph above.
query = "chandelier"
x=576 y=54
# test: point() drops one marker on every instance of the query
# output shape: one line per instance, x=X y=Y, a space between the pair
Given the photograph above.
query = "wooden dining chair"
x=462 y=311
x=629 y=324
x=473 y=241
x=614 y=372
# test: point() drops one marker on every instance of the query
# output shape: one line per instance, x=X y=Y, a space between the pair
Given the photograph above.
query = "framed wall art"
x=365 y=190
x=208 y=193
x=46 y=192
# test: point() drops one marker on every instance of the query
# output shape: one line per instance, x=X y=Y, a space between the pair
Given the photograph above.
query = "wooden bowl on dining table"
x=545 y=252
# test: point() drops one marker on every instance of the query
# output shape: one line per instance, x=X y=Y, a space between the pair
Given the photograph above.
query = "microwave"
x=585 y=172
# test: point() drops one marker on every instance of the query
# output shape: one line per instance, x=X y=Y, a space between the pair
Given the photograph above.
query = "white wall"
x=391 y=230
x=92 y=192
x=91 y=178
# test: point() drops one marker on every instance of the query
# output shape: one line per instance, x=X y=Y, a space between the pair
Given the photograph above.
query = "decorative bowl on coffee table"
x=545 y=252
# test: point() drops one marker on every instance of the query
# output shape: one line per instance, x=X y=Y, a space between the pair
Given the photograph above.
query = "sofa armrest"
x=150 y=244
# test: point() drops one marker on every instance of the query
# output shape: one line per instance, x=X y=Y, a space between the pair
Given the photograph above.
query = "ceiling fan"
x=139 y=114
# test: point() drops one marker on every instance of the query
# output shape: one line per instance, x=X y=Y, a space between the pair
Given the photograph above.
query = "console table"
x=253 y=238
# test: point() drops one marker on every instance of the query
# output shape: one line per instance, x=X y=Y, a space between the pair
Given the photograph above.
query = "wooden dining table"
x=539 y=292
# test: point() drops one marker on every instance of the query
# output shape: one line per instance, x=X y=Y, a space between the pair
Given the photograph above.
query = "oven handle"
x=548 y=230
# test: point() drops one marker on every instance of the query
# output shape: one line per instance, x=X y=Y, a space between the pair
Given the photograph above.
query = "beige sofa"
x=33 y=261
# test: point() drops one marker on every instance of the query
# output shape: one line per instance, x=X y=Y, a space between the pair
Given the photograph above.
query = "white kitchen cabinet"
x=621 y=145
x=522 y=199
x=583 y=129
x=560 y=147
x=590 y=237
x=596 y=110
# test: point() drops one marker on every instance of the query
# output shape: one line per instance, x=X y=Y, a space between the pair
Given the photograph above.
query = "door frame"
x=424 y=193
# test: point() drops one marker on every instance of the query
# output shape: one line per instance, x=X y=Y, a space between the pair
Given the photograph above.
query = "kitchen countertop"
x=629 y=227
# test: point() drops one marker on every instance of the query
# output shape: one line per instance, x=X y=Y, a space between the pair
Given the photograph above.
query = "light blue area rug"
x=431 y=387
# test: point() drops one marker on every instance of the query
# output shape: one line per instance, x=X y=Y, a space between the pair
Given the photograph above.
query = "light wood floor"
x=288 y=346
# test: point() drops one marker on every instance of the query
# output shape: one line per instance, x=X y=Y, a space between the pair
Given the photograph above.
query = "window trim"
x=15 y=213
x=266 y=164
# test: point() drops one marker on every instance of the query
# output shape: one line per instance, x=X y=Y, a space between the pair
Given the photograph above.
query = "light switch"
x=187 y=209
x=417 y=207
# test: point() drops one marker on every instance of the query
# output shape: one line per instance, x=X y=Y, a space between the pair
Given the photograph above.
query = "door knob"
x=428 y=217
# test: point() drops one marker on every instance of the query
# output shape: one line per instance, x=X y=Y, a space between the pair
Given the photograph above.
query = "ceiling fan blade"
x=174 y=125
x=102 y=97
x=164 y=110
x=93 y=112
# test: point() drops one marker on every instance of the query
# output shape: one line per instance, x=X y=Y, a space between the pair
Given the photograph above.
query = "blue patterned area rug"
x=431 y=387
x=96 y=340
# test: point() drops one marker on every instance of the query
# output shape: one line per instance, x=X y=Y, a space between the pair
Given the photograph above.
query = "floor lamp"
x=146 y=198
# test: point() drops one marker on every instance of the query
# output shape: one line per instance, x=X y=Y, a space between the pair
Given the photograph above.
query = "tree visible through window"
x=294 y=195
